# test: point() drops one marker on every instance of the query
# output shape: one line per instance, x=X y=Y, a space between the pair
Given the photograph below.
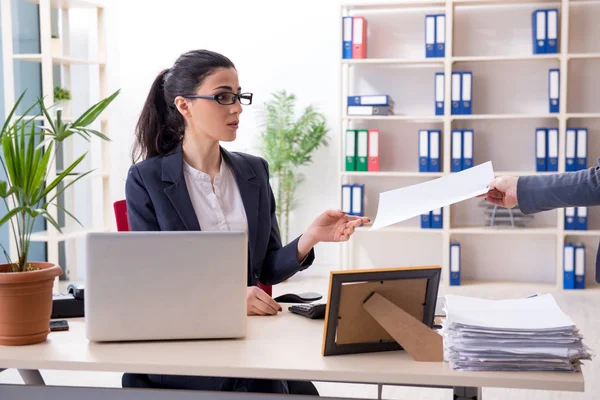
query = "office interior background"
x=298 y=47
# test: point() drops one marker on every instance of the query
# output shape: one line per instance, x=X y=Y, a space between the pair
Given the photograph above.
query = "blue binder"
x=581 y=218
x=468 y=145
x=554 y=90
x=434 y=151
x=454 y=264
x=570 y=218
x=456 y=97
x=347 y=199
x=457 y=150
x=429 y=36
x=347 y=37
x=581 y=142
x=358 y=200
x=439 y=93
x=466 y=92
x=423 y=151
x=426 y=221
x=579 y=267
x=539 y=31
x=569 y=266
x=552 y=142
x=541 y=150
x=370 y=100
x=437 y=218
x=552 y=31
x=571 y=150
x=440 y=35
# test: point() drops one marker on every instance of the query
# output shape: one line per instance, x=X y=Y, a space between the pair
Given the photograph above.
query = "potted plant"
x=288 y=143
x=62 y=98
x=26 y=285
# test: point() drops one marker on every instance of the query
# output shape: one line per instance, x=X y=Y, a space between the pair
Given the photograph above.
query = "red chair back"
x=122 y=220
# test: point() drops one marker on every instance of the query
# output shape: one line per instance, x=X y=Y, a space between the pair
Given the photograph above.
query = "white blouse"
x=221 y=210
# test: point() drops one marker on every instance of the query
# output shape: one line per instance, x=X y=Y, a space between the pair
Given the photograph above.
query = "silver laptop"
x=165 y=285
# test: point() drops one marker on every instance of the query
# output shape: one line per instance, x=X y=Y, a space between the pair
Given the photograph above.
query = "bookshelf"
x=95 y=211
x=493 y=39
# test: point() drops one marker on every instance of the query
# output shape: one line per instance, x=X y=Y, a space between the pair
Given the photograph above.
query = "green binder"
x=362 y=150
x=350 y=150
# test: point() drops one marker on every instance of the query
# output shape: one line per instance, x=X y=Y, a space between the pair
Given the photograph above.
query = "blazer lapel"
x=249 y=190
x=176 y=189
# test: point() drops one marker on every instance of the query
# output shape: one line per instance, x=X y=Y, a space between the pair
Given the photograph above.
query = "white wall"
x=274 y=45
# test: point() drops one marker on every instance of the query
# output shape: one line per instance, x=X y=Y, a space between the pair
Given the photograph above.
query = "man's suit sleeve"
x=280 y=262
x=140 y=210
x=570 y=189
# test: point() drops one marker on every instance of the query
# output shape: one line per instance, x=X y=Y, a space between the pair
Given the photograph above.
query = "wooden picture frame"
x=405 y=300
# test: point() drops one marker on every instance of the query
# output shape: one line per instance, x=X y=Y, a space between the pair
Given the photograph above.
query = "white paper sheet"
x=401 y=204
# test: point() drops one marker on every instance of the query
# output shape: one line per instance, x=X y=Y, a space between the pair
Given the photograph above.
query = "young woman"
x=187 y=181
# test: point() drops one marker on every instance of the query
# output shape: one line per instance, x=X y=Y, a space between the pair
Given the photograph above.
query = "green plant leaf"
x=51 y=219
x=61 y=177
x=11 y=214
x=93 y=112
x=47 y=115
x=68 y=213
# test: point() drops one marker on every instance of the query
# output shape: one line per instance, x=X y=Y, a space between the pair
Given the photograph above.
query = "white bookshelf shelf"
x=71 y=3
x=503 y=231
x=496 y=52
x=538 y=57
x=67 y=234
x=57 y=60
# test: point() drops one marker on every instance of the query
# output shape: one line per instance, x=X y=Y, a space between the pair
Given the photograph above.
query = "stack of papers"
x=531 y=334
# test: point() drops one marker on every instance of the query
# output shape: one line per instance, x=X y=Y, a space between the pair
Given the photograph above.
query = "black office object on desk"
x=312 y=311
x=69 y=305
x=306 y=297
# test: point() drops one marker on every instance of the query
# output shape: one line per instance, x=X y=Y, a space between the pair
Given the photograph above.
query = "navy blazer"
x=570 y=189
x=158 y=200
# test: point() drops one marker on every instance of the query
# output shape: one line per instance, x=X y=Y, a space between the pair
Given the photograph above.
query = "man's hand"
x=260 y=303
x=503 y=192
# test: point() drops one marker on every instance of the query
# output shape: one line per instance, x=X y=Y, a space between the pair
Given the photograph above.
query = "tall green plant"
x=27 y=167
x=288 y=143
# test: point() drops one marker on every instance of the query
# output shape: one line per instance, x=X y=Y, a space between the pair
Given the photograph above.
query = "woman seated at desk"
x=187 y=181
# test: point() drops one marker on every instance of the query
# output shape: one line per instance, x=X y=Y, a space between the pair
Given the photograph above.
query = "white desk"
x=287 y=346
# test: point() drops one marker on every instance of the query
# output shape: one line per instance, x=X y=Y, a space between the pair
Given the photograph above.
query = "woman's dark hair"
x=160 y=126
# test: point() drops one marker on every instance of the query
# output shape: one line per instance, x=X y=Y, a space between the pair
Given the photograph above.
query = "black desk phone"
x=312 y=311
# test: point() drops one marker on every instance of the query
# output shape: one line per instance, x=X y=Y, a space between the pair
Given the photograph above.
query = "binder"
x=359 y=37
x=467 y=92
x=430 y=36
x=579 y=267
x=370 y=100
x=552 y=142
x=540 y=150
x=554 y=90
x=569 y=266
x=570 y=218
x=358 y=200
x=369 y=110
x=347 y=199
x=467 y=155
x=347 y=37
x=456 y=93
x=423 y=151
x=437 y=218
x=362 y=150
x=570 y=147
x=350 y=150
x=440 y=35
x=457 y=151
x=373 y=150
x=552 y=31
x=426 y=220
x=434 y=151
x=581 y=148
x=581 y=219
x=454 y=264
x=539 y=31
x=439 y=93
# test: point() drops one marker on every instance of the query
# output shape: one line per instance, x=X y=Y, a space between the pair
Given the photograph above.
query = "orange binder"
x=373 y=150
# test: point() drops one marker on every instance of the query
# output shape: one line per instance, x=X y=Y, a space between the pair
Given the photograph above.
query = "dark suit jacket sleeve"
x=570 y=189
x=281 y=262
x=140 y=210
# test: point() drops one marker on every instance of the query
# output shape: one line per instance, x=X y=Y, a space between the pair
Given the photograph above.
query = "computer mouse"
x=306 y=297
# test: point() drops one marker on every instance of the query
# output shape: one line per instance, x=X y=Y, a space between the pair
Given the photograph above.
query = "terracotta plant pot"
x=26 y=303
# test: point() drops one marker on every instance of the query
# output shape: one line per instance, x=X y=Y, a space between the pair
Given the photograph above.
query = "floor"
x=583 y=307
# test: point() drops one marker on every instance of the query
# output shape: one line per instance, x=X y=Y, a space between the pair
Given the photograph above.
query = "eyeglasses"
x=226 y=98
